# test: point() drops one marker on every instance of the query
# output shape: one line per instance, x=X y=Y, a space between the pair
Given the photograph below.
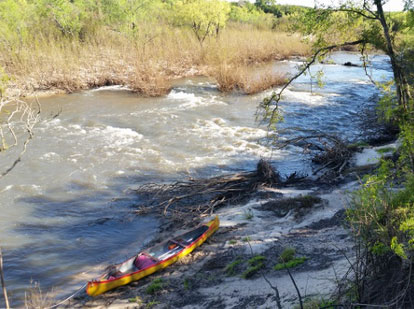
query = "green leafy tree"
x=205 y=17
x=269 y=6
x=250 y=14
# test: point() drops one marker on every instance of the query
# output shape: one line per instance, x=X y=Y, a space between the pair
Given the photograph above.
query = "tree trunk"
x=401 y=83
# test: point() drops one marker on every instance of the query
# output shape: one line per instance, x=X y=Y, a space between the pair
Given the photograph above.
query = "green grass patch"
x=313 y=303
x=232 y=242
x=385 y=150
x=231 y=268
x=256 y=259
x=136 y=299
x=287 y=255
x=155 y=286
x=256 y=263
x=291 y=264
x=151 y=304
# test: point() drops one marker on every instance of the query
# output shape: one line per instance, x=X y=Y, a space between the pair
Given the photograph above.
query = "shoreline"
x=249 y=230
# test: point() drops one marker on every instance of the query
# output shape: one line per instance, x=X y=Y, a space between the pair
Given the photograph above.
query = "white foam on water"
x=50 y=156
x=312 y=99
x=224 y=140
x=360 y=82
x=110 y=88
x=189 y=101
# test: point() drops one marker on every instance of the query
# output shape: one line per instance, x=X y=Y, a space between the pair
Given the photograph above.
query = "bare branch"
x=28 y=115
x=373 y=16
x=3 y=284
x=275 y=97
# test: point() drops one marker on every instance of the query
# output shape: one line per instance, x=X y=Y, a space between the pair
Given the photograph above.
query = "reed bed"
x=246 y=80
x=145 y=64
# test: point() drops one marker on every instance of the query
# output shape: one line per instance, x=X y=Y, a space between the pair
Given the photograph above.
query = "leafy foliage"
x=205 y=17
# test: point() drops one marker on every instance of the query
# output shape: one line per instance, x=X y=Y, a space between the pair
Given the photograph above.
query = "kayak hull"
x=98 y=287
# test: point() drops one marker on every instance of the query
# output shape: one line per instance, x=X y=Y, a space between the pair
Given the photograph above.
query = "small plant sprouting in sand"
x=151 y=304
x=232 y=241
x=289 y=260
x=188 y=285
x=255 y=264
x=155 y=286
x=231 y=268
x=248 y=214
x=136 y=299
x=246 y=239
x=287 y=254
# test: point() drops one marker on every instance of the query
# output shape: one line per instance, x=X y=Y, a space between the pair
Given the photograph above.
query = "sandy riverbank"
x=256 y=228
x=201 y=280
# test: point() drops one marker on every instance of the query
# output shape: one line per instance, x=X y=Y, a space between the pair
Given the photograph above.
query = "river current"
x=66 y=209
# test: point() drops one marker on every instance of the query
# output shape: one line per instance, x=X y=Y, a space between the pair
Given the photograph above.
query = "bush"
x=384 y=216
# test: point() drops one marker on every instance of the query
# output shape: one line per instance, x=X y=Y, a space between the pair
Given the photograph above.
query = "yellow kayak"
x=153 y=259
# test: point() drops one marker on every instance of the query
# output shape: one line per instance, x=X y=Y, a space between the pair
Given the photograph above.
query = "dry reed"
x=35 y=298
x=145 y=65
x=246 y=79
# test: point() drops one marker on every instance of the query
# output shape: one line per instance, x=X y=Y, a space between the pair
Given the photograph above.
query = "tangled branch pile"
x=332 y=154
x=200 y=197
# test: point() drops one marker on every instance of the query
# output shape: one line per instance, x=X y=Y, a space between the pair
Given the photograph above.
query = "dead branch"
x=201 y=197
x=3 y=284
x=274 y=99
x=332 y=155
x=20 y=112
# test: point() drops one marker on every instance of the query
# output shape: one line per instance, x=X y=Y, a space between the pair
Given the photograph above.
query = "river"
x=66 y=209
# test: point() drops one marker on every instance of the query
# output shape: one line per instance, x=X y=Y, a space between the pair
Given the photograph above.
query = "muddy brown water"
x=66 y=209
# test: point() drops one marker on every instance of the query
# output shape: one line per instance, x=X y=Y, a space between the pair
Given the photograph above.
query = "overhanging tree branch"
x=358 y=12
x=275 y=97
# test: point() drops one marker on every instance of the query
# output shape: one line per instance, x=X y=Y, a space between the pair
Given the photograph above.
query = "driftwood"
x=201 y=197
x=330 y=153
x=3 y=284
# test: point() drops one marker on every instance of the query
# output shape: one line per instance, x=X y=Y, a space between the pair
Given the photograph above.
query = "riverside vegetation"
x=72 y=45
x=381 y=215
x=59 y=45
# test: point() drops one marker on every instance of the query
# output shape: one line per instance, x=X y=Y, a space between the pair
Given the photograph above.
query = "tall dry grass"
x=146 y=64
x=246 y=80
x=36 y=299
